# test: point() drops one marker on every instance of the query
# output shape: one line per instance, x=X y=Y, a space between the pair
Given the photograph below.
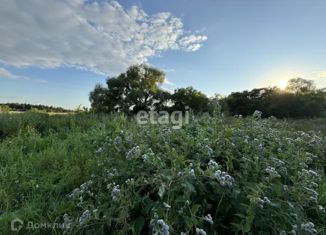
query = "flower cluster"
x=224 y=178
x=200 y=231
x=85 y=217
x=262 y=202
x=257 y=114
x=272 y=173
x=115 y=190
x=133 y=153
x=307 y=228
x=160 y=227
x=208 y=218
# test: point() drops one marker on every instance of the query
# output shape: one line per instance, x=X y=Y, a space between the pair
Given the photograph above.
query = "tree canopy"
x=139 y=88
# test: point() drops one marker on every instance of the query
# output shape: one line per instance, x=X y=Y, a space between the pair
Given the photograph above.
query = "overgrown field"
x=88 y=174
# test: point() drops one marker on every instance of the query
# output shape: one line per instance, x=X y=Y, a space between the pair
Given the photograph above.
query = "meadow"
x=105 y=174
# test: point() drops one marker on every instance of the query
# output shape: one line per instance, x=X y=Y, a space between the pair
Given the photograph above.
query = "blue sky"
x=55 y=52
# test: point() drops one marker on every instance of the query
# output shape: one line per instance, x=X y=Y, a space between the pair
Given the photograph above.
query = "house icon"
x=16 y=224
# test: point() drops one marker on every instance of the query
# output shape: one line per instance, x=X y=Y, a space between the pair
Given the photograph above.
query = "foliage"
x=4 y=108
x=189 y=97
x=29 y=107
x=301 y=100
x=98 y=174
x=131 y=91
x=300 y=85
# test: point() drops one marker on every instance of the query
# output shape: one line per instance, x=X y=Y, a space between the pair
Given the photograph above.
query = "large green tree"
x=190 y=97
x=134 y=90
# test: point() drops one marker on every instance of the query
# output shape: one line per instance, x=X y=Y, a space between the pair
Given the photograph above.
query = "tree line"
x=139 y=89
x=27 y=107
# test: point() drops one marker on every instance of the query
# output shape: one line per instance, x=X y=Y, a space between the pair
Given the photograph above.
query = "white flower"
x=161 y=190
x=130 y=181
x=223 y=178
x=210 y=151
x=160 y=227
x=309 y=228
x=200 y=231
x=85 y=217
x=192 y=173
x=67 y=222
x=208 y=218
x=262 y=202
x=213 y=165
x=272 y=173
x=115 y=192
x=133 y=153
x=99 y=150
x=257 y=114
x=166 y=205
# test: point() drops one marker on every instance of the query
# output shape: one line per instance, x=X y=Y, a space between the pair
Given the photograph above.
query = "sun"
x=282 y=84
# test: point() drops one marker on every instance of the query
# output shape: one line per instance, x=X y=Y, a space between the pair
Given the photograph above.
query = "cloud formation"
x=4 y=73
x=100 y=36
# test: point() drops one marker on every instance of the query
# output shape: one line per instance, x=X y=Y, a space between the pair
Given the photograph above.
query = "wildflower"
x=213 y=165
x=115 y=192
x=192 y=173
x=166 y=205
x=85 y=217
x=200 y=231
x=67 y=222
x=262 y=202
x=257 y=114
x=130 y=181
x=224 y=178
x=117 y=140
x=210 y=151
x=272 y=172
x=161 y=190
x=99 y=150
x=208 y=218
x=133 y=153
x=160 y=227
x=309 y=228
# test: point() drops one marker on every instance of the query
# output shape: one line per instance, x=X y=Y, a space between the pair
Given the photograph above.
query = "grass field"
x=97 y=174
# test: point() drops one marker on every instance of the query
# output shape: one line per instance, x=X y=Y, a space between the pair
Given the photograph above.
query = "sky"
x=54 y=52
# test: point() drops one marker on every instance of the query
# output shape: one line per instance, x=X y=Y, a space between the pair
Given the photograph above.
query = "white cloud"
x=4 y=73
x=99 y=36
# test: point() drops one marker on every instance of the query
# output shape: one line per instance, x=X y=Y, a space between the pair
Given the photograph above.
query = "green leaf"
x=139 y=224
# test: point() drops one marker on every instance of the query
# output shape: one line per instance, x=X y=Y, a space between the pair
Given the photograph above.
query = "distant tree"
x=215 y=104
x=303 y=101
x=300 y=85
x=4 y=108
x=192 y=98
x=163 y=100
x=130 y=92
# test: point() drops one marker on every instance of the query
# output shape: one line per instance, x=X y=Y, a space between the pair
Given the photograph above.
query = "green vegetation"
x=138 y=89
x=29 y=107
x=104 y=174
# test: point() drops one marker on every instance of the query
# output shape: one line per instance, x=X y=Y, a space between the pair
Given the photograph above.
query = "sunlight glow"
x=282 y=84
